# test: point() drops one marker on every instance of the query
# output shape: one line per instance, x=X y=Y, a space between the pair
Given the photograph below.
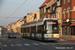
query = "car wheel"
x=14 y=37
x=8 y=37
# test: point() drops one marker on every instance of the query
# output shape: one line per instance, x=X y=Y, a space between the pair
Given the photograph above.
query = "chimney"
x=27 y=13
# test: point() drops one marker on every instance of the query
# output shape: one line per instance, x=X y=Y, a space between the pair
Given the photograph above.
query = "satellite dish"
x=67 y=20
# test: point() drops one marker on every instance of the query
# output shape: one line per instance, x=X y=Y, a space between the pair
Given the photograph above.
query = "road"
x=29 y=44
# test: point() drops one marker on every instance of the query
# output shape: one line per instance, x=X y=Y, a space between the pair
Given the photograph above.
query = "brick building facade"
x=68 y=17
x=43 y=9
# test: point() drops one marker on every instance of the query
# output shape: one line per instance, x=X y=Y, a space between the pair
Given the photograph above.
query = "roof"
x=46 y=1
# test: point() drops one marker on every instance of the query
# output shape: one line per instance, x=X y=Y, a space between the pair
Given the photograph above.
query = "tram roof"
x=40 y=20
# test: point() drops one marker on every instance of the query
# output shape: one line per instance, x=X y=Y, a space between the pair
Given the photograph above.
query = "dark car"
x=18 y=33
x=11 y=35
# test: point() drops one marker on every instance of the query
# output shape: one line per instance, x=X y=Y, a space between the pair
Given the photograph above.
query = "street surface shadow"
x=51 y=41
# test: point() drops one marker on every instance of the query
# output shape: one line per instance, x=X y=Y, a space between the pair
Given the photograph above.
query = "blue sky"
x=7 y=7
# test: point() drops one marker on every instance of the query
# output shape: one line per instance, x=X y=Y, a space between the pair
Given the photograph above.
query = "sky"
x=7 y=7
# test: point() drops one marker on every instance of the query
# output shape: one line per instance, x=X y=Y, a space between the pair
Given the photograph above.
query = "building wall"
x=59 y=17
x=73 y=9
x=49 y=10
x=51 y=2
x=68 y=26
x=65 y=6
x=42 y=13
x=30 y=17
x=16 y=26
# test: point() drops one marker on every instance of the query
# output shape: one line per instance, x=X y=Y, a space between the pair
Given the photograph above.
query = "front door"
x=73 y=30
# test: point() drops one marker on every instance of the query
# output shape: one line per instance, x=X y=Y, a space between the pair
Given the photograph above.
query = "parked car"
x=11 y=35
x=18 y=33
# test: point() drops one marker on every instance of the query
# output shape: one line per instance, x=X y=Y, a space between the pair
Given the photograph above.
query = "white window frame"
x=68 y=1
x=58 y=14
x=64 y=13
x=48 y=15
x=74 y=8
x=44 y=16
x=69 y=12
x=64 y=2
x=45 y=9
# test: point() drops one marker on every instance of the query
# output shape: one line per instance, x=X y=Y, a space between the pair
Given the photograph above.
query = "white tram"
x=42 y=29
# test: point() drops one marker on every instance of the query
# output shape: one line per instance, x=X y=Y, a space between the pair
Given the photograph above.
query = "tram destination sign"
x=51 y=22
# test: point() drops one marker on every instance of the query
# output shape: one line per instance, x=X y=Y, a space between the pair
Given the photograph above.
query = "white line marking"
x=12 y=45
x=1 y=48
x=52 y=43
x=35 y=44
x=44 y=43
x=19 y=44
x=4 y=45
x=56 y=43
x=27 y=44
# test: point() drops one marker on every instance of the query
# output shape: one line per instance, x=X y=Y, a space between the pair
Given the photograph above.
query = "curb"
x=70 y=41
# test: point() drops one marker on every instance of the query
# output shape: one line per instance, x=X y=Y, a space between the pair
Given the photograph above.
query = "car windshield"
x=11 y=33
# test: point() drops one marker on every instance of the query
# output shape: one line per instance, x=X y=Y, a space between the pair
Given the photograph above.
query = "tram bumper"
x=51 y=39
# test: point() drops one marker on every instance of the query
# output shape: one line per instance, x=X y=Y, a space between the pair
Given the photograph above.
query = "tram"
x=42 y=29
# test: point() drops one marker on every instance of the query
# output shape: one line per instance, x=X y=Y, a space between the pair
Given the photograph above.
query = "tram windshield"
x=52 y=27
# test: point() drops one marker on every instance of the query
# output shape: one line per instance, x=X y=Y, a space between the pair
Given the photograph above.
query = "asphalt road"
x=28 y=44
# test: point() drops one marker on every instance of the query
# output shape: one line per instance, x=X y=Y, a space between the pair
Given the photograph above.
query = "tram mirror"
x=46 y=30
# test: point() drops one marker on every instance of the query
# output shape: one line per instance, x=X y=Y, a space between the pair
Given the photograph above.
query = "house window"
x=58 y=14
x=44 y=16
x=69 y=12
x=58 y=2
x=35 y=16
x=52 y=16
x=74 y=8
x=44 y=9
x=64 y=13
x=53 y=8
x=68 y=1
x=48 y=15
x=49 y=11
x=64 y=2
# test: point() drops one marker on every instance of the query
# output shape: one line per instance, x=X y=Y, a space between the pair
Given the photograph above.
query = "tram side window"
x=40 y=29
x=28 y=29
x=21 y=30
x=24 y=30
x=33 y=29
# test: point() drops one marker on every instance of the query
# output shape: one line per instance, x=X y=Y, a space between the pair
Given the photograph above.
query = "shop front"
x=72 y=28
x=66 y=28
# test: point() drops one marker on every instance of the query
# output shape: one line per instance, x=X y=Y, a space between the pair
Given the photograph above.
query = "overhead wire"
x=15 y=11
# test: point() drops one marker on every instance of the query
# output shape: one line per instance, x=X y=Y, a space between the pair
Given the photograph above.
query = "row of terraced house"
x=63 y=10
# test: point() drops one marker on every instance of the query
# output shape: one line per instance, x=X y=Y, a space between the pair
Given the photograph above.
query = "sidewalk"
x=68 y=40
x=3 y=38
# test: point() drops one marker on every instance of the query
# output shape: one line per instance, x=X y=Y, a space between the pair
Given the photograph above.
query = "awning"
x=65 y=24
x=73 y=24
